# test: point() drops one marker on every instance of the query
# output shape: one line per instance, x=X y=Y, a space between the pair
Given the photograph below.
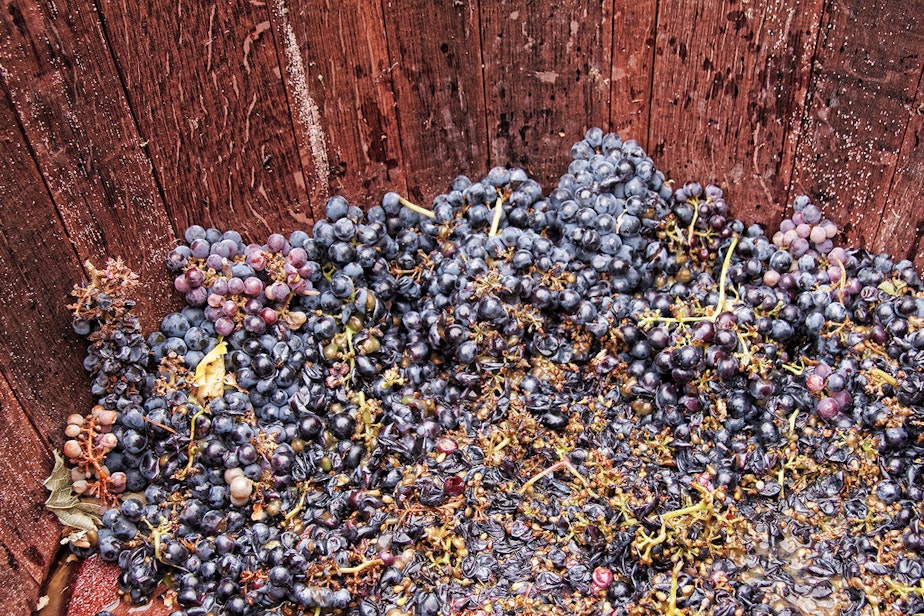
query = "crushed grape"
x=613 y=398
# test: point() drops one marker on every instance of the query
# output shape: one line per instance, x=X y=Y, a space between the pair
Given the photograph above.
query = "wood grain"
x=28 y=534
x=867 y=69
x=40 y=355
x=338 y=74
x=728 y=98
x=902 y=223
x=634 y=37
x=439 y=92
x=205 y=84
x=66 y=90
x=547 y=78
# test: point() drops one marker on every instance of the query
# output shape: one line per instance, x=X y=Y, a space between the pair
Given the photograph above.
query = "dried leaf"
x=892 y=287
x=209 y=381
x=77 y=538
x=64 y=503
x=59 y=484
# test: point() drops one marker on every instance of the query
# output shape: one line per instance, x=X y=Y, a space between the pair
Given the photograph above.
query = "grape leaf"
x=892 y=287
x=64 y=503
x=209 y=381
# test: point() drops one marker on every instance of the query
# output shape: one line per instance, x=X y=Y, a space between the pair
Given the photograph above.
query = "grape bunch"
x=610 y=398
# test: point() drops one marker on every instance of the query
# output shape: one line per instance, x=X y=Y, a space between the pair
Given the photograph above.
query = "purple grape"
x=224 y=326
x=196 y=296
x=200 y=248
x=828 y=408
x=235 y=286
x=253 y=286
x=276 y=242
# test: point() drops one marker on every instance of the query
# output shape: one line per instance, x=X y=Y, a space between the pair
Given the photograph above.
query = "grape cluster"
x=613 y=398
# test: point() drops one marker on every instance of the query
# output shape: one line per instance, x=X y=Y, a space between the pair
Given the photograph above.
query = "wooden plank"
x=729 y=95
x=439 y=92
x=28 y=534
x=901 y=229
x=547 y=73
x=66 y=91
x=40 y=354
x=204 y=81
x=338 y=75
x=634 y=36
x=867 y=68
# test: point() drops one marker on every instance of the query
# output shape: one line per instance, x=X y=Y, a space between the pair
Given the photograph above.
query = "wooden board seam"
x=651 y=82
x=46 y=438
x=281 y=62
x=32 y=155
x=484 y=90
x=391 y=80
x=914 y=109
x=107 y=40
x=806 y=104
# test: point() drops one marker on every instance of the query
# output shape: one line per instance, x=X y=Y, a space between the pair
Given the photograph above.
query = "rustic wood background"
x=123 y=121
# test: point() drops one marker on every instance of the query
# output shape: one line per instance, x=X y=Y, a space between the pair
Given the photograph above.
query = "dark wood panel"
x=634 y=36
x=729 y=94
x=66 y=91
x=338 y=76
x=867 y=68
x=902 y=223
x=28 y=534
x=204 y=81
x=547 y=75
x=439 y=92
x=40 y=354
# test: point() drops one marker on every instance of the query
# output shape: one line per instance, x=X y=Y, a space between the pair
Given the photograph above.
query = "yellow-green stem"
x=723 y=276
x=416 y=208
x=495 y=221
x=362 y=566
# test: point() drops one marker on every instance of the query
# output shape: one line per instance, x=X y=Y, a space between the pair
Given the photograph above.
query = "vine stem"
x=672 y=601
x=720 y=305
x=723 y=276
x=495 y=221
x=416 y=208
x=361 y=567
x=561 y=464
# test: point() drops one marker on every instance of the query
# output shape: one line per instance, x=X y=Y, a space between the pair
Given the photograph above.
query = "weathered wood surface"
x=59 y=74
x=341 y=94
x=547 y=80
x=729 y=94
x=28 y=534
x=902 y=226
x=40 y=356
x=868 y=67
x=121 y=122
x=439 y=92
x=634 y=40
x=204 y=83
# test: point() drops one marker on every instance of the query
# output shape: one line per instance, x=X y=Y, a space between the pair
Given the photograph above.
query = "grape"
x=537 y=401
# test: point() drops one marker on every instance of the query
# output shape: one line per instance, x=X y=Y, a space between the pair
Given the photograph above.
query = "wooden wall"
x=124 y=121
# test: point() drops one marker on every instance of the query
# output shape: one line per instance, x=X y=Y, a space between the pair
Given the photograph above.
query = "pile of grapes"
x=612 y=398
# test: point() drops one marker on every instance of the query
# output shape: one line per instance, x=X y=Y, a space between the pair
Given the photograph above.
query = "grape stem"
x=723 y=276
x=692 y=229
x=672 y=601
x=842 y=286
x=720 y=305
x=191 y=449
x=495 y=221
x=564 y=463
x=361 y=567
x=296 y=509
x=160 y=425
x=416 y=208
